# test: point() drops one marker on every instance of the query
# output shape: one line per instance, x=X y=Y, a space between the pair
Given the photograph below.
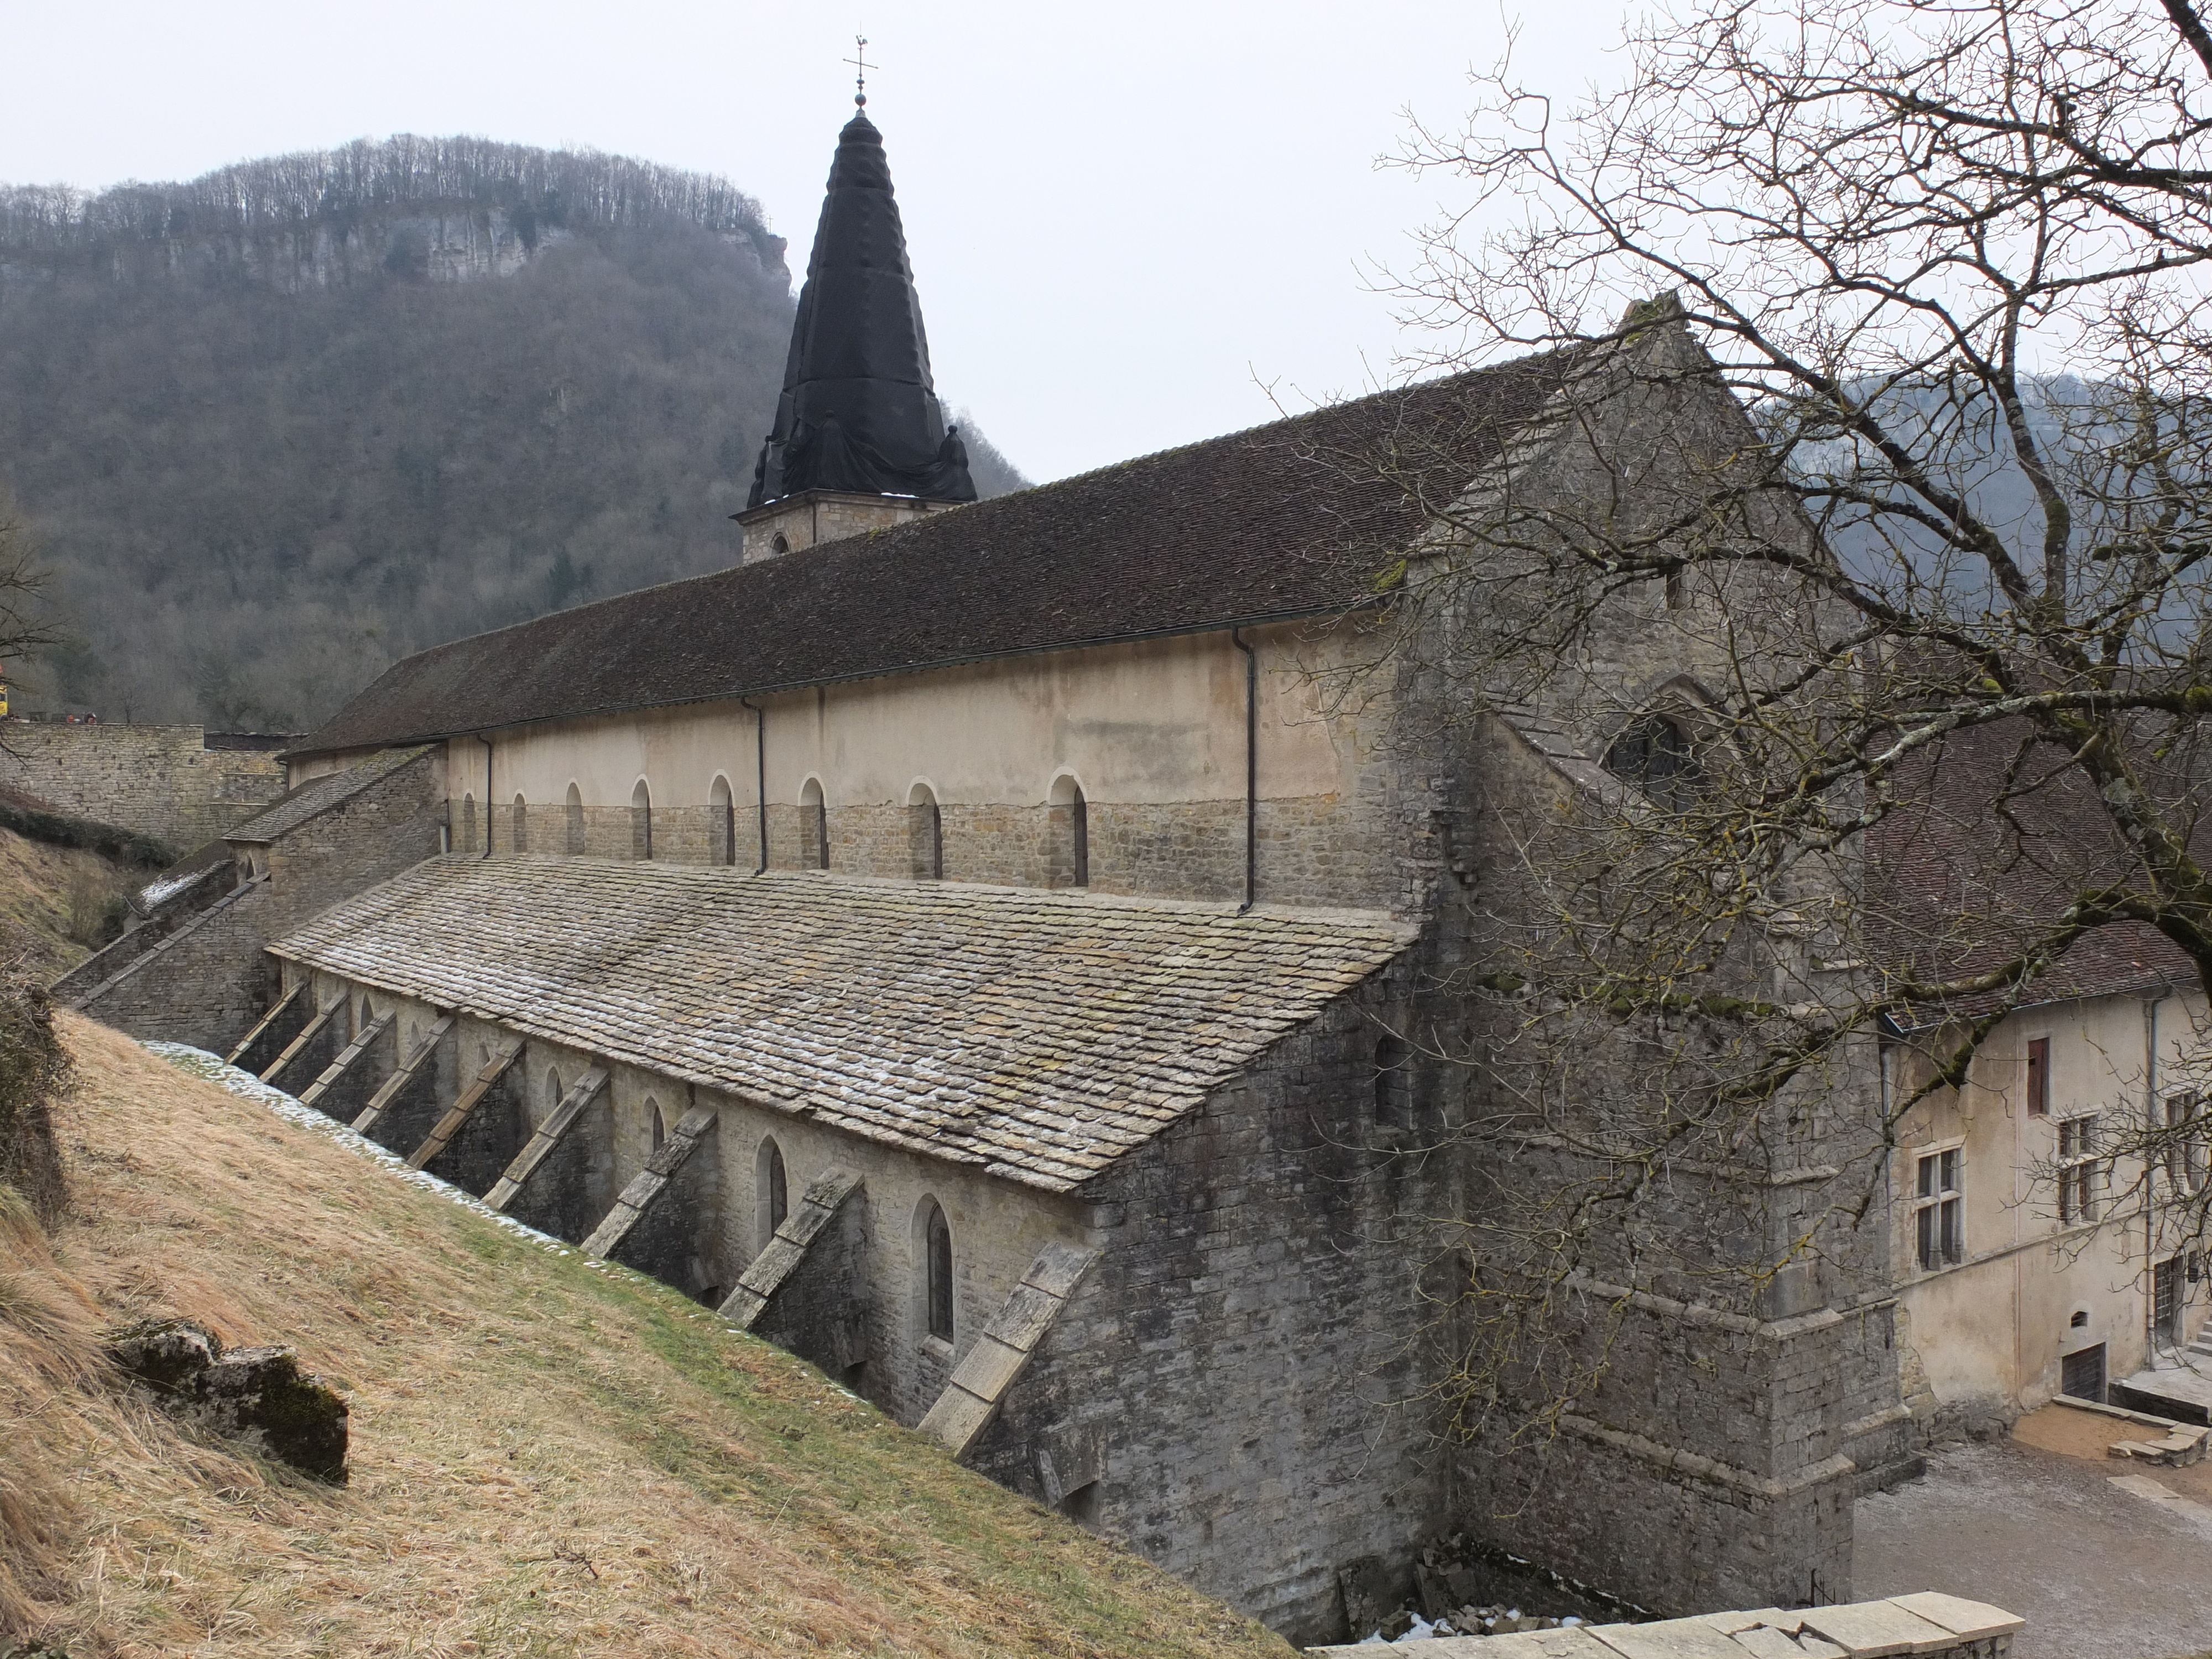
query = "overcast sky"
x=1127 y=221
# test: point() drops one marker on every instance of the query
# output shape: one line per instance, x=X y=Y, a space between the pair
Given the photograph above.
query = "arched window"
x=641 y=822
x=722 y=822
x=780 y=545
x=1392 y=1090
x=521 y=825
x=659 y=1124
x=1653 y=753
x=1068 y=858
x=813 y=828
x=575 y=821
x=937 y=1272
x=773 y=1204
x=925 y=833
x=552 y=1090
x=465 y=841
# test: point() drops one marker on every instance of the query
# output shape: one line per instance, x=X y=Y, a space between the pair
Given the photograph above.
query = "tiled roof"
x=1292 y=520
x=1039 y=1034
x=1954 y=886
x=295 y=807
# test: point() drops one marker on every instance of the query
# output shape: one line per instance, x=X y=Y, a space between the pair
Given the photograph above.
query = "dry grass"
x=51 y=899
x=550 y=1458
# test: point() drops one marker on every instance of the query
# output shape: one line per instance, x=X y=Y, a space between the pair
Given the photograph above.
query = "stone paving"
x=2099 y=1565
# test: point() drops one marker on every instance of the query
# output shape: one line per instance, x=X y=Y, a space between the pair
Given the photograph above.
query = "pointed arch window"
x=773 y=1200
x=466 y=841
x=1653 y=752
x=521 y=826
x=660 y=1123
x=573 y=817
x=641 y=822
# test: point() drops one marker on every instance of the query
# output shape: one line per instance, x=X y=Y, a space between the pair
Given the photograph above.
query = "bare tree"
x=1934 y=583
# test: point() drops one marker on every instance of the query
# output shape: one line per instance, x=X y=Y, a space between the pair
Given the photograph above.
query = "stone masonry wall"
x=1710 y=1466
x=160 y=780
x=1238 y=1374
x=1319 y=851
x=208 y=983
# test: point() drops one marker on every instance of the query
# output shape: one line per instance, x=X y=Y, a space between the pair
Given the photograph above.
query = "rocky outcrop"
x=259 y=1394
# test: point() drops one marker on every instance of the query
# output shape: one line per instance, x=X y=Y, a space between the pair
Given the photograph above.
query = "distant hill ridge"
x=273 y=434
x=320 y=212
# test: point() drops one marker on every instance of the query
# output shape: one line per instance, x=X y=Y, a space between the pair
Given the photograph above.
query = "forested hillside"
x=280 y=425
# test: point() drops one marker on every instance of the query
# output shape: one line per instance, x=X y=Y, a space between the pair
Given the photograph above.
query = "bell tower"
x=860 y=441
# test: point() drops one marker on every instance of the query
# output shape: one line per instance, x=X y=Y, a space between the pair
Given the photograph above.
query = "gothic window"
x=937 y=1290
x=1654 y=754
x=575 y=817
x=660 y=1123
x=813 y=828
x=641 y=822
x=773 y=1199
x=722 y=815
x=466 y=841
x=521 y=825
x=925 y=833
x=1392 y=1092
x=1069 y=819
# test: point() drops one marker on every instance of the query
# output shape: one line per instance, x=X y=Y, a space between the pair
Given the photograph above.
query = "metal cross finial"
x=859 y=60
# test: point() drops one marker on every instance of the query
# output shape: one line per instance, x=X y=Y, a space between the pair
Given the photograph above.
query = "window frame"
x=1939 y=1207
x=2184 y=1153
x=2039 y=1076
x=2078 y=1165
x=938 y=1302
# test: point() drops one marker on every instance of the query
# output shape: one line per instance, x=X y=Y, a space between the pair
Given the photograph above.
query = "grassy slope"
x=549 y=1457
x=48 y=896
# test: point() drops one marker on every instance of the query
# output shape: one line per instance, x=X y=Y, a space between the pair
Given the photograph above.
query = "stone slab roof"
x=318 y=795
x=1038 y=1034
x=1296 y=518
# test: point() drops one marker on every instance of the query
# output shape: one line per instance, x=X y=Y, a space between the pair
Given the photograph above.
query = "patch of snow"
x=157 y=892
x=1419 y=1631
x=200 y=1063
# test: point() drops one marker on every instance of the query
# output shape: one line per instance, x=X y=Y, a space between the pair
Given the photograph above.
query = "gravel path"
x=2098 y=1570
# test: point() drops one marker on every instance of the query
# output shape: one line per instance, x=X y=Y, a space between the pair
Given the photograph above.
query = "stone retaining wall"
x=160 y=780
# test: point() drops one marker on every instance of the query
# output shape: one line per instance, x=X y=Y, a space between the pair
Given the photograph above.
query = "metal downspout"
x=1251 y=770
x=760 y=775
x=487 y=743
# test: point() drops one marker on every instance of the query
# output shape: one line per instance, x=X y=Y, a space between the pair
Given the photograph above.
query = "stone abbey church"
x=975 y=944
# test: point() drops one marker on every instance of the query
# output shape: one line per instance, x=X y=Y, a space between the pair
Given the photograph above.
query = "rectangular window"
x=2077 y=1169
x=1936 y=1215
x=2039 y=1076
x=2165 y=1300
x=2185 y=1142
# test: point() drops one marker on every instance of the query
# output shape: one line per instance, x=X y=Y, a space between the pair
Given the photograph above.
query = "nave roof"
x=1290 y=519
x=1038 y=1034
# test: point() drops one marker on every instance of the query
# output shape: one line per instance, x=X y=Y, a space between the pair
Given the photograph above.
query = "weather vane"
x=859 y=60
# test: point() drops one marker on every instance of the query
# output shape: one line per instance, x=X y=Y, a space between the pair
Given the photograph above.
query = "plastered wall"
x=1152 y=733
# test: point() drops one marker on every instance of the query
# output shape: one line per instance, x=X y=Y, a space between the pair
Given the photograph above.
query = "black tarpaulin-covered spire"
x=858 y=412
